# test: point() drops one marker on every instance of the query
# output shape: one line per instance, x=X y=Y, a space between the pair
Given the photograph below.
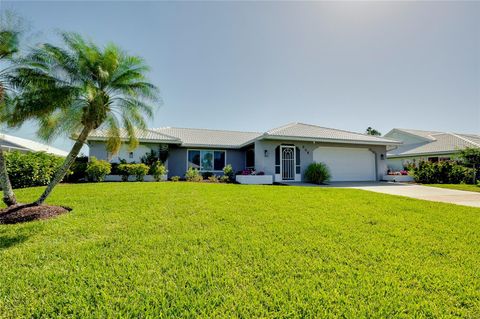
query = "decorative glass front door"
x=288 y=163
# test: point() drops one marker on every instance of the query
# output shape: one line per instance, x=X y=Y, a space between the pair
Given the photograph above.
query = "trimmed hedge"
x=32 y=168
x=97 y=169
x=442 y=173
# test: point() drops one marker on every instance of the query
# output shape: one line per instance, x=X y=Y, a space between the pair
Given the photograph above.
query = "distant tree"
x=471 y=156
x=372 y=131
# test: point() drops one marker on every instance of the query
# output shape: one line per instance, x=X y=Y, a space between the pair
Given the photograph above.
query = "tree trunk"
x=8 y=194
x=60 y=174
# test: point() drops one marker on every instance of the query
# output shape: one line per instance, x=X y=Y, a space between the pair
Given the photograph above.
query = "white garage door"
x=347 y=164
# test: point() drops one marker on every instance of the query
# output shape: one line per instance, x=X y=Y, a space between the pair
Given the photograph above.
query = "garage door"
x=347 y=164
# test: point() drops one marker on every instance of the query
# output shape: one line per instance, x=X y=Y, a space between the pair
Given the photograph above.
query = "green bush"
x=32 y=168
x=97 y=169
x=214 y=179
x=442 y=173
x=224 y=179
x=158 y=170
x=228 y=171
x=175 y=178
x=193 y=175
x=317 y=173
x=124 y=170
x=78 y=170
x=138 y=170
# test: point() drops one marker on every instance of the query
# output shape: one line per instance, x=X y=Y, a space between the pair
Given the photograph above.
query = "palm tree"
x=9 y=44
x=79 y=88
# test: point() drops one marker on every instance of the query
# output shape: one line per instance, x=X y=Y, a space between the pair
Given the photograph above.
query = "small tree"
x=75 y=89
x=371 y=131
x=471 y=156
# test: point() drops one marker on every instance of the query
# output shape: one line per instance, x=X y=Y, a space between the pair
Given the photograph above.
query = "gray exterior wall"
x=177 y=159
x=267 y=163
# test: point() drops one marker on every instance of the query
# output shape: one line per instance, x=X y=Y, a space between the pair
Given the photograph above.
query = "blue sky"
x=257 y=65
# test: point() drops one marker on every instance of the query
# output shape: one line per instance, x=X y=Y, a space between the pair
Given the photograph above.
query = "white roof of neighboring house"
x=204 y=137
x=435 y=143
x=10 y=142
x=194 y=137
x=303 y=131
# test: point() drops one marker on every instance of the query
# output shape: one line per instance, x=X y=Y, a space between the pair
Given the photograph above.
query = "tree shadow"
x=7 y=241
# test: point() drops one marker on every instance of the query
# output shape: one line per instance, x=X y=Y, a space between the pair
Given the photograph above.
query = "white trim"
x=211 y=150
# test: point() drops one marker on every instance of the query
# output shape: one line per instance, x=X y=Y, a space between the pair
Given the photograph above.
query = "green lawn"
x=461 y=187
x=158 y=250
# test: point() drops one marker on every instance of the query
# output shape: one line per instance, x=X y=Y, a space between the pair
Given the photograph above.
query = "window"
x=250 y=158
x=194 y=159
x=433 y=159
x=206 y=160
x=130 y=155
x=444 y=159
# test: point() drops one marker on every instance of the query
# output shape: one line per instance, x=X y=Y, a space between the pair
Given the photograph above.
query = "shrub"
x=317 y=173
x=97 y=169
x=213 y=179
x=78 y=170
x=124 y=171
x=158 y=170
x=193 y=175
x=207 y=175
x=228 y=171
x=32 y=168
x=139 y=170
x=442 y=173
x=175 y=178
x=224 y=179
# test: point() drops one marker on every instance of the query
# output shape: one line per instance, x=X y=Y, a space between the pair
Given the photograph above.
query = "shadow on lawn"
x=7 y=241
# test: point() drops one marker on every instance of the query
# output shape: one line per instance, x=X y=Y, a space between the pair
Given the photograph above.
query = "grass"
x=461 y=187
x=157 y=250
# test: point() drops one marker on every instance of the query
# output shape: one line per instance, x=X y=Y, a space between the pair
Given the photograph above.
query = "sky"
x=254 y=66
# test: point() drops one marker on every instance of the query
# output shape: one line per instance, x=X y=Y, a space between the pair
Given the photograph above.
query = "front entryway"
x=287 y=167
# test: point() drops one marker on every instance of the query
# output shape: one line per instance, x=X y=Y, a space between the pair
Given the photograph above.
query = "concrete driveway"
x=416 y=191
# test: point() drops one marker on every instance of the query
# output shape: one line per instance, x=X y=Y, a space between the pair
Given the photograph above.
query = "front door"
x=287 y=166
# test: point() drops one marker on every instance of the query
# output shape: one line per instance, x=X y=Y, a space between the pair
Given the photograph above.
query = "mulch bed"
x=27 y=212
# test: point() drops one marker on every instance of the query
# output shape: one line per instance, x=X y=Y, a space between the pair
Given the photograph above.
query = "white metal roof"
x=142 y=135
x=314 y=132
x=436 y=143
x=10 y=142
x=195 y=137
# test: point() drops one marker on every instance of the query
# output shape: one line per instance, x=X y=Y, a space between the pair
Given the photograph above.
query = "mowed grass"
x=460 y=187
x=157 y=250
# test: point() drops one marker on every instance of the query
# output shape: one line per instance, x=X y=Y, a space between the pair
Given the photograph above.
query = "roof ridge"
x=151 y=130
x=465 y=139
x=345 y=131
x=202 y=129
x=281 y=127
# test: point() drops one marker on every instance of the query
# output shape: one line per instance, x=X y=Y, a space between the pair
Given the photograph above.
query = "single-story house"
x=14 y=143
x=283 y=152
x=430 y=146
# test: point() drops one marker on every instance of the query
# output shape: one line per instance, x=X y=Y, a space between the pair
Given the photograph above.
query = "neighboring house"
x=13 y=143
x=426 y=146
x=283 y=152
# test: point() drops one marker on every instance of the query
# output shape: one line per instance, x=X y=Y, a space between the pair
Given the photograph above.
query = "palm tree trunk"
x=8 y=194
x=60 y=174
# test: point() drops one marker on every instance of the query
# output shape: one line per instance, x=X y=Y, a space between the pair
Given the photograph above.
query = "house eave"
x=325 y=140
x=422 y=154
x=144 y=140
